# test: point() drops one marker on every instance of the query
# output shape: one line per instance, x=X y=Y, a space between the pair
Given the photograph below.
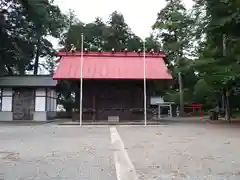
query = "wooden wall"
x=114 y=98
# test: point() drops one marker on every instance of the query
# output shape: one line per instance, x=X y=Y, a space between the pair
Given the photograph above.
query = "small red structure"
x=113 y=81
x=197 y=106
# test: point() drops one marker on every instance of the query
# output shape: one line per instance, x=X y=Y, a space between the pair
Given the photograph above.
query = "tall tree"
x=46 y=19
x=152 y=43
x=119 y=32
x=174 y=27
x=24 y=27
x=98 y=34
x=218 y=61
x=16 y=51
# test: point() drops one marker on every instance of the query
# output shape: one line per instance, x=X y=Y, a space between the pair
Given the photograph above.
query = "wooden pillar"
x=75 y=114
x=77 y=97
x=94 y=107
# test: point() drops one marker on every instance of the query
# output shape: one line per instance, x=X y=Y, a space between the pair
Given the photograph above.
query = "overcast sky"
x=139 y=14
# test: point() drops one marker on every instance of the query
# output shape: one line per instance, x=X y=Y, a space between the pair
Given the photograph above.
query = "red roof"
x=108 y=65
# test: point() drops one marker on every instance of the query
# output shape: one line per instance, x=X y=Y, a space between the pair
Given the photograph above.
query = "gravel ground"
x=184 y=151
x=181 y=151
x=45 y=152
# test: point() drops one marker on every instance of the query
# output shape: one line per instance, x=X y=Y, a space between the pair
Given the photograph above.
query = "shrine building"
x=113 y=85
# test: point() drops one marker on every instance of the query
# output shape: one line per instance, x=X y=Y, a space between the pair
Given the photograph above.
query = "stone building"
x=29 y=98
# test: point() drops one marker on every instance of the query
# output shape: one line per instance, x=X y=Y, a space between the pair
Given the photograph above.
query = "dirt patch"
x=13 y=156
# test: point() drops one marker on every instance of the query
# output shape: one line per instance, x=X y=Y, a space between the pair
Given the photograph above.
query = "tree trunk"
x=223 y=101
x=36 y=62
x=228 y=116
x=181 y=94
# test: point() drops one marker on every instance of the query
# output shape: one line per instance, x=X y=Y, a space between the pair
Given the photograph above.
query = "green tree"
x=152 y=43
x=201 y=92
x=218 y=62
x=24 y=27
x=174 y=26
x=119 y=32
x=46 y=20
x=16 y=51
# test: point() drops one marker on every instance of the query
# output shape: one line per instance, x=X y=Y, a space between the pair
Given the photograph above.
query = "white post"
x=144 y=84
x=170 y=108
x=81 y=82
x=159 y=111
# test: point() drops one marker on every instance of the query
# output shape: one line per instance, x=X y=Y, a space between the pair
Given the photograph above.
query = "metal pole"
x=81 y=81
x=144 y=84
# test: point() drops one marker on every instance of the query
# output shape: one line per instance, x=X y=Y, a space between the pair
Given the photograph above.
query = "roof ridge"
x=113 y=54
